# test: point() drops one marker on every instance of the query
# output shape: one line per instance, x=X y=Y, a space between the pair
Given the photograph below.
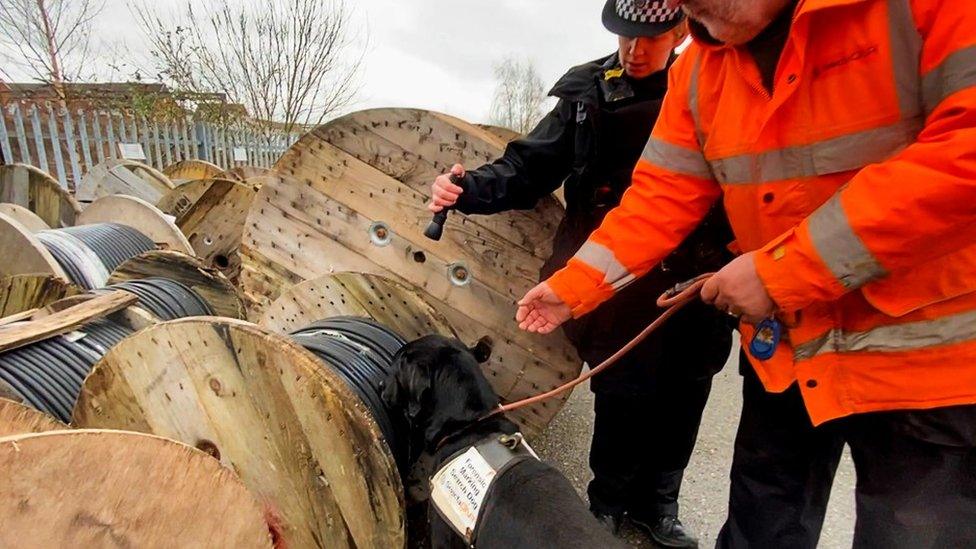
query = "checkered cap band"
x=646 y=11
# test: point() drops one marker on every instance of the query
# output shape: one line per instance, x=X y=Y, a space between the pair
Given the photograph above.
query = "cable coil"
x=361 y=352
x=88 y=253
x=48 y=374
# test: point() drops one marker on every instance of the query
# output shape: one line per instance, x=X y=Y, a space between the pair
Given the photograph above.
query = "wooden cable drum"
x=390 y=303
x=24 y=292
x=23 y=253
x=191 y=170
x=414 y=146
x=211 y=214
x=294 y=432
x=140 y=215
x=40 y=193
x=17 y=419
x=27 y=218
x=126 y=177
x=504 y=134
x=343 y=215
x=89 y=488
x=190 y=271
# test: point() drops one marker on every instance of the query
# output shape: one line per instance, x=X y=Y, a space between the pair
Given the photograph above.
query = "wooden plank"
x=113 y=151
x=206 y=281
x=97 y=138
x=140 y=215
x=297 y=436
x=12 y=337
x=211 y=213
x=117 y=489
x=17 y=419
x=35 y=190
x=504 y=134
x=18 y=317
x=166 y=144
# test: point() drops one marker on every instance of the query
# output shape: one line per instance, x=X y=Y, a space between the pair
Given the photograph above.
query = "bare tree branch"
x=50 y=39
x=519 y=96
x=288 y=62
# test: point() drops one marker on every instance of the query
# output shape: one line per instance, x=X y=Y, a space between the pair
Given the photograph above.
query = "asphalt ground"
x=704 y=493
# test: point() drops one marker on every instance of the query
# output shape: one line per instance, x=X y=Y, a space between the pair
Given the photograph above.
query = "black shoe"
x=610 y=521
x=666 y=530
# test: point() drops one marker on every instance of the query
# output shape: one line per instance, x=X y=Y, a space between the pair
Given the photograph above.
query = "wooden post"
x=38 y=130
x=85 y=145
x=8 y=153
x=52 y=124
x=69 y=141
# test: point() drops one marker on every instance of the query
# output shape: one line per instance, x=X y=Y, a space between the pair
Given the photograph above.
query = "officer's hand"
x=738 y=290
x=541 y=311
x=443 y=192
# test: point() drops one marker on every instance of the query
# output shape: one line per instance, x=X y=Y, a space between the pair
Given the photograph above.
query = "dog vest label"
x=458 y=490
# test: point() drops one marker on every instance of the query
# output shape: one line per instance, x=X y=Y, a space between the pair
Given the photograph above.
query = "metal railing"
x=67 y=143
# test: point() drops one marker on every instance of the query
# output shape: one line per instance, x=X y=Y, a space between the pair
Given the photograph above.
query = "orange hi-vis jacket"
x=855 y=182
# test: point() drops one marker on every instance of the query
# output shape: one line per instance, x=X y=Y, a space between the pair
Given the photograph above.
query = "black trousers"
x=641 y=446
x=916 y=475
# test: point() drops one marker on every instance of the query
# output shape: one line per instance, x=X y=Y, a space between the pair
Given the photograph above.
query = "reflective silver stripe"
x=956 y=73
x=693 y=101
x=602 y=259
x=844 y=253
x=676 y=159
x=839 y=154
x=906 y=55
x=893 y=339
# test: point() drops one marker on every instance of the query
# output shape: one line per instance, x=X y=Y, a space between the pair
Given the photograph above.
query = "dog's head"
x=437 y=387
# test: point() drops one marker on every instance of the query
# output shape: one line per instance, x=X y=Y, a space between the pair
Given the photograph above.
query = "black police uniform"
x=649 y=405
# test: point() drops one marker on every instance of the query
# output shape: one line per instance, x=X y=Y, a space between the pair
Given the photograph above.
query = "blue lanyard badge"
x=764 y=342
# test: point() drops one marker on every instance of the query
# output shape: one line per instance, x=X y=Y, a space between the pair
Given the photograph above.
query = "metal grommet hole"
x=459 y=274
x=380 y=234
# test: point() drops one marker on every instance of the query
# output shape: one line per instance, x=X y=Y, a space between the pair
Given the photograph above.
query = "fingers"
x=709 y=291
x=457 y=170
x=532 y=295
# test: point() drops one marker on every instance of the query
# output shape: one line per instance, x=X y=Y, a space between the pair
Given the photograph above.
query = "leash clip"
x=512 y=442
x=680 y=287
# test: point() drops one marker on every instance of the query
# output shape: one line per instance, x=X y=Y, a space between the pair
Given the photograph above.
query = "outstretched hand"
x=541 y=311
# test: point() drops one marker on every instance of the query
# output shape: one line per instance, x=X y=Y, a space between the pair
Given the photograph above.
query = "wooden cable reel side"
x=211 y=214
x=328 y=221
x=206 y=281
x=191 y=170
x=125 y=177
x=23 y=253
x=390 y=303
x=17 y=419
x=27 y=218
x=504 y=134
x=297 y=436
x=140 y=215
x=415 y=146
x=40 y=193
x=89 y=488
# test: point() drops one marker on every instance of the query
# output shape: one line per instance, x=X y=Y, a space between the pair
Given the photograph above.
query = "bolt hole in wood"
x=209 y=448
x=221 y=261
x=420 y=257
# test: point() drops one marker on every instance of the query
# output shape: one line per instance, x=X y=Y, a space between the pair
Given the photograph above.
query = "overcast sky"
x=439 y=54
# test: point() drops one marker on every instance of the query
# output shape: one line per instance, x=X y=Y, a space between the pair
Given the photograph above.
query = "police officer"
x=648 y=407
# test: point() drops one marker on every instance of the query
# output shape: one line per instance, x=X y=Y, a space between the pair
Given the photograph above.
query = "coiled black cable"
x=48 y=374
x=77 y=248
x=166 y=299
x=361 y=352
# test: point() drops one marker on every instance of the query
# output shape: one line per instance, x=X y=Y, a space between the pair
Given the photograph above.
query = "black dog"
x=446 y=404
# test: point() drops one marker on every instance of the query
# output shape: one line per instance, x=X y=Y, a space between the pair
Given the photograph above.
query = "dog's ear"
x=482 y=350
x=413 y=377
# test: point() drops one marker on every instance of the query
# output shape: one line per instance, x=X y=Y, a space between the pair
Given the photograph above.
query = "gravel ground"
x=704 y=494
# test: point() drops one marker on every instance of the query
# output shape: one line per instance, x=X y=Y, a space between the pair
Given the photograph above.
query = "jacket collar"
x=705 y=40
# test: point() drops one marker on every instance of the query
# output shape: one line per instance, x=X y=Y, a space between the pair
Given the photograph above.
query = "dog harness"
x=459 y=489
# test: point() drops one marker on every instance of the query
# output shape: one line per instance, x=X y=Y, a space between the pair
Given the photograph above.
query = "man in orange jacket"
x=842 y=133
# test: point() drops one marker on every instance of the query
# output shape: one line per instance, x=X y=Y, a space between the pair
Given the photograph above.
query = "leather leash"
x=671 y=301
